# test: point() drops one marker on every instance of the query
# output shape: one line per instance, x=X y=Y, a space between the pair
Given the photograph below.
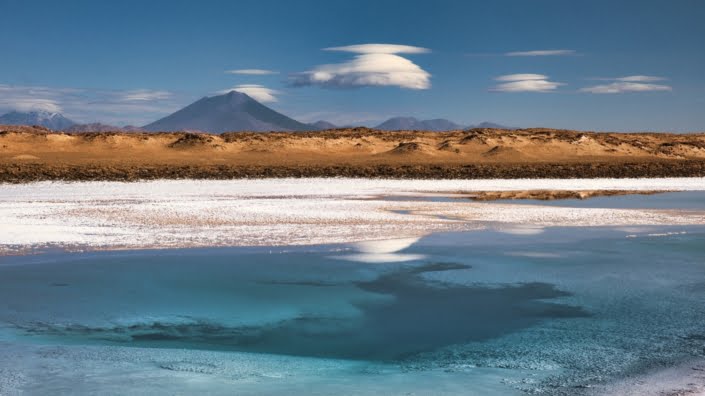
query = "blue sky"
x=593 y=65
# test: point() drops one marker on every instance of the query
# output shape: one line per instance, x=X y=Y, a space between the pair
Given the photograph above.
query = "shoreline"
x=556 y=195
x=677 y=378
x=102 y=217
x=681 y=379
x=17 y=173
x=256 y=212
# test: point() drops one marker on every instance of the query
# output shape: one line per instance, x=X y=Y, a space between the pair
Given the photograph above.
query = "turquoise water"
x=680 y=200
x=561 y=311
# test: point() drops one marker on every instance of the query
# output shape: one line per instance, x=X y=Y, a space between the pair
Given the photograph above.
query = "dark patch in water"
x=419 y=316
x=437 y=267
x=189 y=367
x=695 y=337
x=300 y=283
x=401 y=211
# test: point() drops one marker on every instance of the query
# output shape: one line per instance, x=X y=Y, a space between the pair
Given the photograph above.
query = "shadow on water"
x=419 y=315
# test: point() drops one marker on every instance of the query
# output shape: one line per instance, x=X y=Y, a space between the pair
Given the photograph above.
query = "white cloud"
x=542 y=53
x=252 y=72
x=376 y=65
x=635 y=78
x=142 y=95
x=25 y=99
x=380 y=49
x=257 y=92
x=640 y=79
x=118 y=107
x=527 y=86
x=623 y=87
x=525 y=83
x=28 y=104
x=521 y=77
x=635 y=83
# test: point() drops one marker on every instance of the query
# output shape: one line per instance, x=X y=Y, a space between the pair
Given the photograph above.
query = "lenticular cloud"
x=525 y=83
x=628 y=84
x=255 y=91
x=375 y=65
x=380 y=49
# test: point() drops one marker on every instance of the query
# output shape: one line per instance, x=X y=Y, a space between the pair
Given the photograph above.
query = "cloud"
x=376 y=65
x=252 y=72
x=640 y=79
x=562 y=52
x=27 y=105
x=623 y=87
x=26 y=99
x=380 y=49
x=525 y=83
x=521 y=77
x=33 y=98
x=118 y=107
x=636 y=78
x=143 y=95
x=257 y=92
x=636 y=83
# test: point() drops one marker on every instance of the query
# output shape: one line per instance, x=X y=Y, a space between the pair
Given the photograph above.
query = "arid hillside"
x=31 y=153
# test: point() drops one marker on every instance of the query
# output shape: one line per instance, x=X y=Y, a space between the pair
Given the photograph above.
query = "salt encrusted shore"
x=270 y=212
x=686 y=379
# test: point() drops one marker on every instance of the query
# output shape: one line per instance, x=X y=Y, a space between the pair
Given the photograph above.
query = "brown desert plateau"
x=35 y=153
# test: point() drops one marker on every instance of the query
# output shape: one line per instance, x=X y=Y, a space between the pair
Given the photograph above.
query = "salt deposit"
x=185 y=213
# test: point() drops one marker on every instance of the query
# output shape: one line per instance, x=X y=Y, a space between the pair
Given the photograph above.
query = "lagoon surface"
x=555 y=310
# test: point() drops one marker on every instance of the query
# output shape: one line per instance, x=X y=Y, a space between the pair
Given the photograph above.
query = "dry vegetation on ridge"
x=34 y=153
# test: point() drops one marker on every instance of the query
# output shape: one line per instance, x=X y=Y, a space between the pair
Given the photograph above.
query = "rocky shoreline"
x=551 y=195
x=30 y=172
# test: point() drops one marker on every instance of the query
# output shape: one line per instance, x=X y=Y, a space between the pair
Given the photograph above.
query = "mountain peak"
x=408 y=119
x=412 y=123
x=231 y=111
x=99 y=127
x=323 y=125
x=489 y=125
x=47 y=119
x=237 y=97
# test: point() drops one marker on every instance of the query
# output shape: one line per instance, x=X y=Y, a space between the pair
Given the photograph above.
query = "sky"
x=590 y=65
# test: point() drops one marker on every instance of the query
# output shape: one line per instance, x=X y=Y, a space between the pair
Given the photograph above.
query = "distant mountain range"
x=438 y=124
x=323 y=125
x=489 y=125
x=233 y=111
x=411 y=123
x=46 y=119
x=98 y=127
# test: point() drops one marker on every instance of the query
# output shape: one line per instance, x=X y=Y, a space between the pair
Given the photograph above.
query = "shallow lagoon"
x=686 y=200
x=513 y=310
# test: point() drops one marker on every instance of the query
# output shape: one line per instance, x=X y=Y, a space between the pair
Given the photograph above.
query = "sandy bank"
x=687 y=379
x=34 y=154
x=550 y=195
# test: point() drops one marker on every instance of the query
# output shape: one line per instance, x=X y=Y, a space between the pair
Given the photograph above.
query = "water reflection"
x=411 y=315
x=383 y=251
x=582 y=305
x=521 y=229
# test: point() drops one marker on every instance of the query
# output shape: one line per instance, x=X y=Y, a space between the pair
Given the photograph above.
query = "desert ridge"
x=35 y=153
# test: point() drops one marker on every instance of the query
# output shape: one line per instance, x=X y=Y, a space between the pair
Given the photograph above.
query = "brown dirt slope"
x=33 y=153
